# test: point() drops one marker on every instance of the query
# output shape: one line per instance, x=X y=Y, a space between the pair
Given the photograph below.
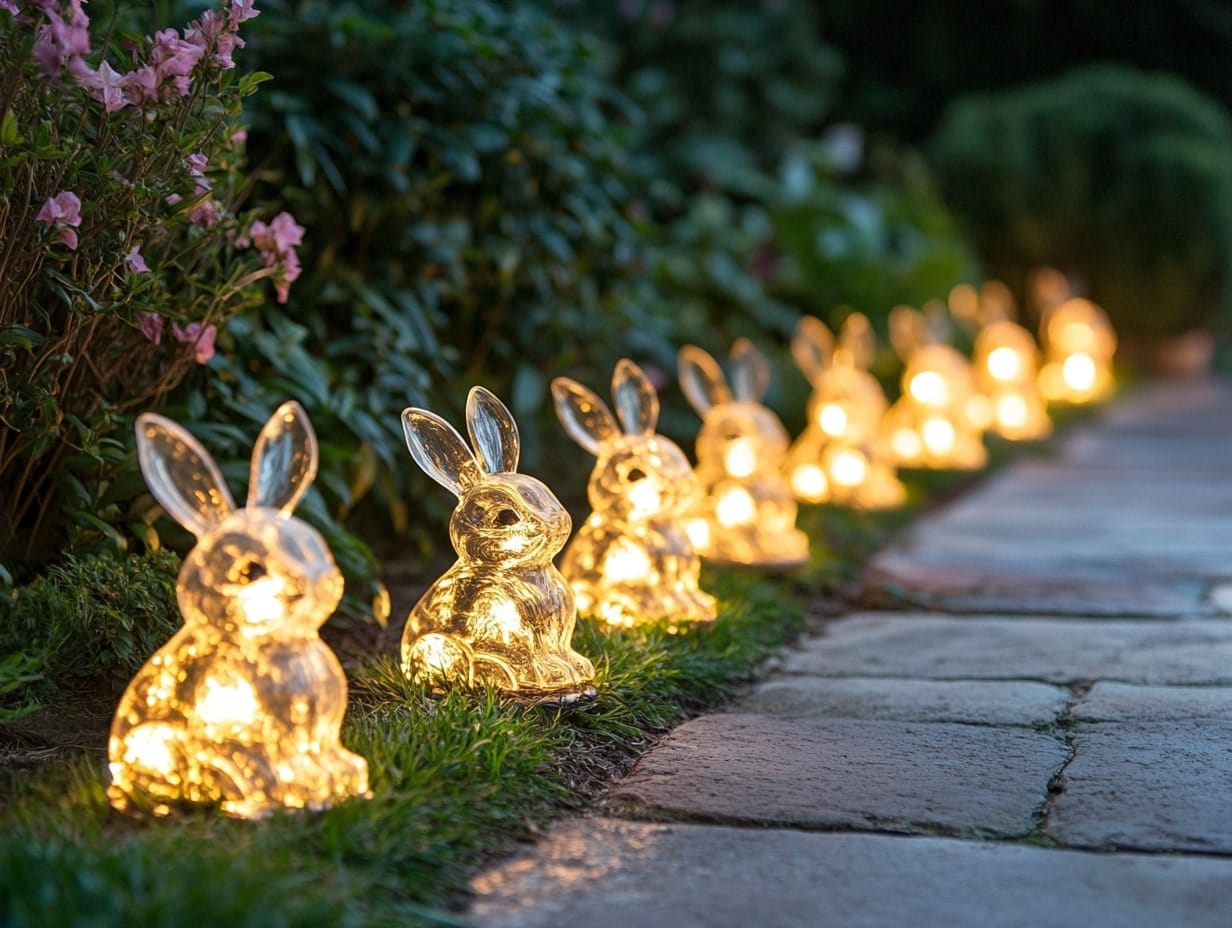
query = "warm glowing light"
x=698 y=530
x=809 y=483
x=907 y=444
x=845 y=413
x=929 y=388
x=1080 y=345
x=502 y=615
x=848 y=468
x=938 y=436
x=1004 y=363
x=1011 y=411
x=735 y=507
x=745 y=499
x=243 y=706
x=832 y=419
x=630 y=563
x=978 y=411
x=1079 y=372
x=740 y=458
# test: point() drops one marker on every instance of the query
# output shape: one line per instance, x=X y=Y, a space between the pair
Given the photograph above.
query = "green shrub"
x=92 y=618
x=726 y=86
x=1120 y=178
x=120 y=248
x=461 y=167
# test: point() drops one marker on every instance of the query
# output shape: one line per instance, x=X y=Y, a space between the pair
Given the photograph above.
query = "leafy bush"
x=461 y=168
x=726 y=86
x=1120 y=178
x=120 y=248
x=94 y=617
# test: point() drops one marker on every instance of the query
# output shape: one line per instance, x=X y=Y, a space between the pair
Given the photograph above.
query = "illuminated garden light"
x=1079 y=345
x=242 y=707
x=502 y=615
x=746 y=501
x=1006 y=362
x=632 y=561
x=845 y=412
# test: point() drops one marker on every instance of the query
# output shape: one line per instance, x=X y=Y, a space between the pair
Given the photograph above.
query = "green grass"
x=455 y=780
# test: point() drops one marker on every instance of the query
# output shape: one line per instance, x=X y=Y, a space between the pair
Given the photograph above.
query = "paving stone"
x=1148 y=787
x=886 y=776
x=1051 y=650
x=1122 y=702
x=603 y=873
x=978 y=702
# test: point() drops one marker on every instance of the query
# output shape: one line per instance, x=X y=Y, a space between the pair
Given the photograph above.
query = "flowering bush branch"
x=120 y=174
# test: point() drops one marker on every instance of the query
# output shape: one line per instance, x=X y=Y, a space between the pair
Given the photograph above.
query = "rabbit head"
x=502 y=518
x=847 y=401
x=739 y=435
x=638 y=473
x=256 y=570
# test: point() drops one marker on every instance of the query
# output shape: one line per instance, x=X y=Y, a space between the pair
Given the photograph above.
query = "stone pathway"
x=1039 y=733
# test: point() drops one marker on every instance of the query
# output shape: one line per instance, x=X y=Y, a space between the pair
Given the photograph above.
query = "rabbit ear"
x=181 y=474
x=637 y=403
x=906 y=330
x=857 y=341
x=584 y=416
x=701 y=379
x=811 y=346
x=439 y=450
x=284 y=460
x=751 y=371
x=493 y=432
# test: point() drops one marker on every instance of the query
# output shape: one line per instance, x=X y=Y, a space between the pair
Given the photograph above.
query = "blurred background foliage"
x=500 y=192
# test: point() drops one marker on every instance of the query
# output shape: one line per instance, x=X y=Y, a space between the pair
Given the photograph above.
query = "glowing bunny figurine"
x=938 y=420
x=502 y=614
x=838 y=458
x=632 y=561
x=747 y=514
x=243 y=705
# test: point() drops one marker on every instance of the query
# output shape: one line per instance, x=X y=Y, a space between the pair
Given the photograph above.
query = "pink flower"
x=201 y=337
x=105 y=85
x=151 y=326
x=172 y=199
x=141 y=84
x=58 y=42
x=242 y=11
x=277 y=242
x=205 y=212
x=134 y=262
x=10 y=6
x=213 y=30
x=174 y=57
x=196 y=164
x=63 y=212
x=239 y=137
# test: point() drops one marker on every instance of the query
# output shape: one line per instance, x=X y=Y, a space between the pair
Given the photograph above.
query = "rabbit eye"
x=249 y=571
x=507 y=517
x=635 y=474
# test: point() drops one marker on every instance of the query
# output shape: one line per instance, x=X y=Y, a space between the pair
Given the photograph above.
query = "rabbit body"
x=502 y=614
x=746 y=513
x=243 y=706
x=632 y=560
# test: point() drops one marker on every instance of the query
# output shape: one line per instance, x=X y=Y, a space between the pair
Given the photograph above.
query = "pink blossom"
x=242 y=11
x=134 y=262
x=172 y=199
x=141 y=84
x=58 y=42
x=105 y=85
x=205 y=211
x=201 y=337
x=213 y=30
x=196 y=164
x=174 y=57
x=239 y=137
x=63 y=212
x=10 y=6
x=277 y=242
x=151 y=326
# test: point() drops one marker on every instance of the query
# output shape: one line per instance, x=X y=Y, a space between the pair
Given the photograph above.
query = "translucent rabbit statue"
x=632 y=561
x=502 y=614
x=747 y=514
x=938 y=420
x=1005 y=361
x=243 y=705
x=838 y=457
